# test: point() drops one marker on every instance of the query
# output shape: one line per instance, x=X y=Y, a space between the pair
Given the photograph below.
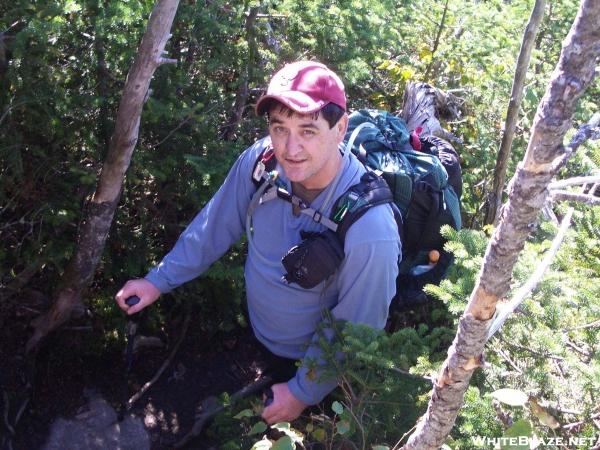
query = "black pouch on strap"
x=314 y=260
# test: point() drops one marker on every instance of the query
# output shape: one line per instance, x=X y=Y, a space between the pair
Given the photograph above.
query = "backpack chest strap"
x=271 y=187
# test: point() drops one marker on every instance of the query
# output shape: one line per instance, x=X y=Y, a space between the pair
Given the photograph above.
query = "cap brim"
x=295 y=100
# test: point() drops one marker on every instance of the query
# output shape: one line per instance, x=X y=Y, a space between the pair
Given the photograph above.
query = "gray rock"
x=97 y=427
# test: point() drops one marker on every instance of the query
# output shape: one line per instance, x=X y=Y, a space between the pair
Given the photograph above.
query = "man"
x=306 y=109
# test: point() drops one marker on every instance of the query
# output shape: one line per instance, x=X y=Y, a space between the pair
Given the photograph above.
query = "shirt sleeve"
x=215 y=228
x=367 y=284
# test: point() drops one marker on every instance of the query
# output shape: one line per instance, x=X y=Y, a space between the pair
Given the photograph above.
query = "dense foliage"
x=62 y=67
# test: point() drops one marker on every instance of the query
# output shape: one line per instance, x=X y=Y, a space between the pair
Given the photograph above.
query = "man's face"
x=306 y=147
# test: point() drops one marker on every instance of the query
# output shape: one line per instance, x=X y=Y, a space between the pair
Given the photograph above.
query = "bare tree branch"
x=436 y=42
x=595 y=324
x=575 y=181
x=588 y=131
x=567 y=196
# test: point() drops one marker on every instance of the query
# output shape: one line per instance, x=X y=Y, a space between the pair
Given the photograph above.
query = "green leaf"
x=259 y=427
x=520 y=429
x=244 y=413
x=542 y=414
x=342 y=427
x=263 y=444
x=286 y=428
x=512 y=397
x=71 y=6
x=384 y=65
x=407 y=73
x=380 y=447
x=319 y=434
x=337 y=407
x=284 y=443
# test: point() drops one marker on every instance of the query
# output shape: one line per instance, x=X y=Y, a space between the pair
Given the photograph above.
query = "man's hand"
x=285 y=406
x=146 y=291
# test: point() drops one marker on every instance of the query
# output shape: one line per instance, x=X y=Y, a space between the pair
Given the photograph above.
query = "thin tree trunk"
x=528 y=191
x=101 y=209
x=436 y=42
x=241 y=96
x=102 y=88
x=512 y=115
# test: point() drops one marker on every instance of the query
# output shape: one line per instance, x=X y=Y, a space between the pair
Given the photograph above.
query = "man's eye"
x=279 y=130
x=309 y=133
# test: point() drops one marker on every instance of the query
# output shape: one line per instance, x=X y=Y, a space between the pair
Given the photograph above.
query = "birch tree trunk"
x=528 y=191
x=512 y=114
x=94 y=229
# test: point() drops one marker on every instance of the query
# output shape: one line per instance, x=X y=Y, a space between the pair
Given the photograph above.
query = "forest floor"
x=69 y=378
x=80 y=379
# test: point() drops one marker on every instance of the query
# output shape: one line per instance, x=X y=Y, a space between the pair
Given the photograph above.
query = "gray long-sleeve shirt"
x=284 y=316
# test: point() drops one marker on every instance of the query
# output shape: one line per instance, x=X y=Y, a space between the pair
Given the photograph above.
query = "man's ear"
x=341 y=127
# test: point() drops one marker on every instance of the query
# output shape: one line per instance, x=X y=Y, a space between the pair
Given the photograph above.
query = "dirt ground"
x=66 y=373
x=78 y=366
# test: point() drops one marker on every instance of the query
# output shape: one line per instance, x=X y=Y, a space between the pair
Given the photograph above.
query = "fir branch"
x=535 y=279
x=529 y=350
x=412 y=375
x=581 y=351
x=510 y=362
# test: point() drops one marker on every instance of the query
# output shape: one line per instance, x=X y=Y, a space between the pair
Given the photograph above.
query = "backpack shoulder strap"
x=262 y=173
x=372 y=190
x=265 y=163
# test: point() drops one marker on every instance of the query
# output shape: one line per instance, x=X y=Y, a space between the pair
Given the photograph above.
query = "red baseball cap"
x=304 y=87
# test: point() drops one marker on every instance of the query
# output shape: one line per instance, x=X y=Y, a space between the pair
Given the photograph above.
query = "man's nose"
x=293 y=144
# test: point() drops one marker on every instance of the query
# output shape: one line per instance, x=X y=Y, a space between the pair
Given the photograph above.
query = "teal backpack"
x=424 y=176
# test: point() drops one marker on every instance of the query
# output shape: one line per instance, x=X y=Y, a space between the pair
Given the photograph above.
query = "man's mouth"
x=295 y=161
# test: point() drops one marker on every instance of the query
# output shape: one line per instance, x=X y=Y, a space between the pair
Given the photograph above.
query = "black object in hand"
x=269 y=397
x=133 y=300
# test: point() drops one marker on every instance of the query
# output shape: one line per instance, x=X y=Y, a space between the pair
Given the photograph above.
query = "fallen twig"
x=162 y=368
x=21 y=411
x=10 y=429
x=210 y=409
